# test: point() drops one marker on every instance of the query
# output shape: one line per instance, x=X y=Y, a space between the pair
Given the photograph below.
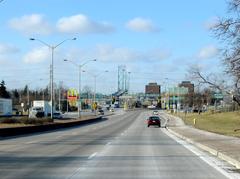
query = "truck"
x=5 y=107
x=40 y=108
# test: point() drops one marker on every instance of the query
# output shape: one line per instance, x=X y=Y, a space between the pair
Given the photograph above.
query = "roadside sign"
x=72 y=96
x=218 y=96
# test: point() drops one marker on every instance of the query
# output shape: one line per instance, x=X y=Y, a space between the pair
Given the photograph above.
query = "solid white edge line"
x=93 y=155
x=108 y=143
x=198 y=153
x=31 y=142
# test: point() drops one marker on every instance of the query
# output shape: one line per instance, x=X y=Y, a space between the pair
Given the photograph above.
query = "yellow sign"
x=72 y=93
x=95 y=106
x=72 y=96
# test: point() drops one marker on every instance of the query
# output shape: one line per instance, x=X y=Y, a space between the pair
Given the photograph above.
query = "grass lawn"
x=25 y=121
x=223 y=123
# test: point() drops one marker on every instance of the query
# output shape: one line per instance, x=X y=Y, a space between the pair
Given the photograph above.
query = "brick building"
x=152 y=89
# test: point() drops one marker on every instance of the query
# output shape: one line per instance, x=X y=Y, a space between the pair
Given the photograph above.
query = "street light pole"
x=167 y=92
x=95 y=83
x=28 y=99
x=79 y=91
x=95 y=86
x=52 y=47
x=79 y=81
x=52 y=91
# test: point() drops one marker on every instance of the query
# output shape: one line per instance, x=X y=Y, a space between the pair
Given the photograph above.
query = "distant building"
x=189 y=85
x=152 y=89
x=190 y=94
x=153 y=94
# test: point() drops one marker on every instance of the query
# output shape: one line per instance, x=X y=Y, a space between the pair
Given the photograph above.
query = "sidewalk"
x=224 y=147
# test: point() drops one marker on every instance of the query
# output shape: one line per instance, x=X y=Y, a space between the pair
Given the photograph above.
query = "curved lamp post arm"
x=70 y=61
x=64 y=41
x=52 y=46
x=87 y=62
x=41 y=42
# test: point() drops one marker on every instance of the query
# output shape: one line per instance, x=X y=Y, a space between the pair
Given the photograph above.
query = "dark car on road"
x=154 y=121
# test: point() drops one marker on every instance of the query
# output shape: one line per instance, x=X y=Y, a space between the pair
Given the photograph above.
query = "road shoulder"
x=224 y=147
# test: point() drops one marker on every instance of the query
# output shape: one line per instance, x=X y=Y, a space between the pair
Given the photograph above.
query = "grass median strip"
x=25 y=121
x=226 y=123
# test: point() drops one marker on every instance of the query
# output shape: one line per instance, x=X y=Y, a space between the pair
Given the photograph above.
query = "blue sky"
x=155 y=39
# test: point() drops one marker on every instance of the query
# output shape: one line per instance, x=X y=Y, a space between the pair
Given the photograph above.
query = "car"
x=111 y=110
x=155 y=112
x=154 y=120
x=57 y=115
x=100 y=112
x=36 y=112
x=151 y=107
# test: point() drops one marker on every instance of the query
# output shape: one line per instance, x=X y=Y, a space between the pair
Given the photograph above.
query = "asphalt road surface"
x=120 y=147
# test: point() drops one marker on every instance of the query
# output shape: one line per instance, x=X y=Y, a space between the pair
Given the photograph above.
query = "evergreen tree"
x=3 y=92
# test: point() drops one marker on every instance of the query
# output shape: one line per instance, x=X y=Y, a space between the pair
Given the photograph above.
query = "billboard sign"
x=72 y=96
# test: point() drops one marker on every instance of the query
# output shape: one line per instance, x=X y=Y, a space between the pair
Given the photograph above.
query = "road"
x=120 y=147
x=88 y=113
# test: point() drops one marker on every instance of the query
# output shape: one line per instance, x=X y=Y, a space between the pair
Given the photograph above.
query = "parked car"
x=154 y=120
x=111 y=110
x=36 y=112
x=100 y=112
x=57 y=115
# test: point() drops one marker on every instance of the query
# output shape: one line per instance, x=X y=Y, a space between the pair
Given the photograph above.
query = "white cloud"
x=141 y=25
x=83 y=25
x=37 y=55
x=31 y=24
x=8 y=49
x=109 y=53
x=207 y=52
x=211 y=23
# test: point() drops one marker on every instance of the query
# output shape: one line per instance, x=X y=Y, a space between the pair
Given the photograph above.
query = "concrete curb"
x=213 y=151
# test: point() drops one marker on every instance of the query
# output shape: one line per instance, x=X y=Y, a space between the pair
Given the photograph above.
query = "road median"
x=59 y=124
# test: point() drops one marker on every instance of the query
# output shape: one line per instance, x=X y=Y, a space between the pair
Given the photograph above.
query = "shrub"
x=10 y=121
x=37 y=121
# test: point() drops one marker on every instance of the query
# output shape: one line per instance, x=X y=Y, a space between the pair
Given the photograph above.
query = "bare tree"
x=214 y=83
x=227 y=30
